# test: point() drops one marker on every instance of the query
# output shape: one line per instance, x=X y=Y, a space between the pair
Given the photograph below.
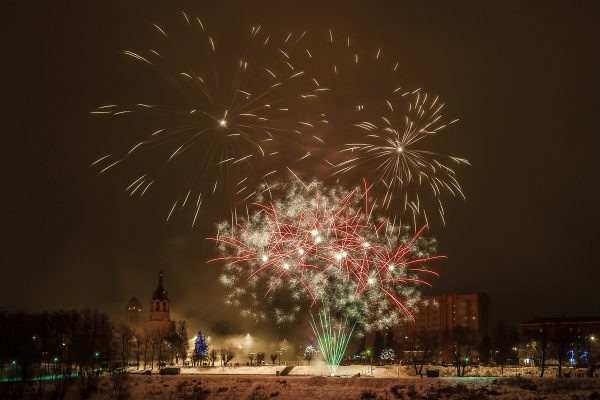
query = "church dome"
x=134 y=304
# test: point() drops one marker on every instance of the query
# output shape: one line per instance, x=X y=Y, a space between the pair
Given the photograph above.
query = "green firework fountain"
x=332 y=340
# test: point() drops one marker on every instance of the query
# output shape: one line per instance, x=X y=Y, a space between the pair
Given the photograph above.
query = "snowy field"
x=259 y=387
x=313 y=370
x=303 y=387
x=389 y=371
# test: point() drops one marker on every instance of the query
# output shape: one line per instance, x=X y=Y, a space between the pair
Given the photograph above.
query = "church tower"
x=159 y=305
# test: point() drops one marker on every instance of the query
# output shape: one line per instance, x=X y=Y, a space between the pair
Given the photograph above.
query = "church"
x=159 y=317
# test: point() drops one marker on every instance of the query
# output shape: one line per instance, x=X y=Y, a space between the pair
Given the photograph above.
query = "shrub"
x=368 y=395
x=120 y=382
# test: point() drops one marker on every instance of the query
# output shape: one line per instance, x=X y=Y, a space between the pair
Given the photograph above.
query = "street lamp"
x=370 y=354
x=590 y=349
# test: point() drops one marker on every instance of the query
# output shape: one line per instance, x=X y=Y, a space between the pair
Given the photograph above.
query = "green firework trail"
x=332 y=340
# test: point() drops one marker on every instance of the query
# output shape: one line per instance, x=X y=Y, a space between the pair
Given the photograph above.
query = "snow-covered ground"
x=313 y=370
x=257 y=387
x=388 y=371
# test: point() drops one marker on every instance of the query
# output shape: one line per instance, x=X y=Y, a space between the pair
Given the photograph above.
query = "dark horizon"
x=522 y=78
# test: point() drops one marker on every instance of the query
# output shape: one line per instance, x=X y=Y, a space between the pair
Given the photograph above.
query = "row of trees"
x=82 y=342
x=142 y=348
x=203 y=355
x=55 y=343
x=459 y=345
x=564 y=344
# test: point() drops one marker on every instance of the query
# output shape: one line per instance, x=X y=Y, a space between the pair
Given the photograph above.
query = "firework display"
x=242 y=114
x=310 y=244
x=233 y=120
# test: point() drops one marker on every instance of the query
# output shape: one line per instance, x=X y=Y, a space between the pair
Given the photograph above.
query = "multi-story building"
x=575 y=337
x=444 y=312
x=441 y=314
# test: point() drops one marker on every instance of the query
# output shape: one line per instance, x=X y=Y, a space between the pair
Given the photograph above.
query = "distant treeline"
x=67 y=343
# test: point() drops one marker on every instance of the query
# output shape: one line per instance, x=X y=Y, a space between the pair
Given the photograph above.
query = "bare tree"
x=422 y=346
x=274 y=357
x=183 y=343
x=541 y=338
x=484 y=349
x=223 y=354
x=226 y=355
x=562 y=338
x=137 y=338
x=162 y=335
x=462 y=341
x=146 y=338
x=125 y=334
x=212 y=357
x=502 y=345
x=153 y=342
x=230 y=354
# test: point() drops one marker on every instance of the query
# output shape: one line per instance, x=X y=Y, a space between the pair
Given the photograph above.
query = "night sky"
x=523 y=77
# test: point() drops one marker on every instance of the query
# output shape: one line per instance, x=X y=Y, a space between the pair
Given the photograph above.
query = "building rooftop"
x=562 y=320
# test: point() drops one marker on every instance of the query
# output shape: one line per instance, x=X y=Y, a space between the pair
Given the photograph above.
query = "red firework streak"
x=325 y=239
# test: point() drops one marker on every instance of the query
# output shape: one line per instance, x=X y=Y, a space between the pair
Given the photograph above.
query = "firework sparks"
x=394 y=148
x=392 y=125
x=323 y=245
x=233 y=120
